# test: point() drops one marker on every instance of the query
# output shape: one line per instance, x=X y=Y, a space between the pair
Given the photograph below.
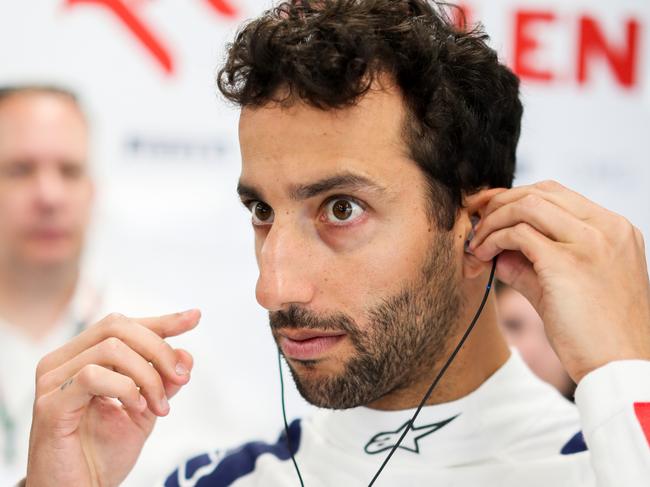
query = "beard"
x=403 y=341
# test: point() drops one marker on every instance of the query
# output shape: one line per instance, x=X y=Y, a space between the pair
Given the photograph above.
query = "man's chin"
x=325 y=385
x=309 y=365
x=315 y=369
x=50 y=256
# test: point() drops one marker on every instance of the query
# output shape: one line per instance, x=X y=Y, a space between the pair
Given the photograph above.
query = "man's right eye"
x=17 y=170
x=262 y=213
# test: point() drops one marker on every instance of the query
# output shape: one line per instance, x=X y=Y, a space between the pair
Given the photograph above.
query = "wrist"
x=579 y=369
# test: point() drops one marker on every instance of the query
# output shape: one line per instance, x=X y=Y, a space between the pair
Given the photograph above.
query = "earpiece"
x=474 y=219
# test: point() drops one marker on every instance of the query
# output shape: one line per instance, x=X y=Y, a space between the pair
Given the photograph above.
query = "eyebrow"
x=343 y=181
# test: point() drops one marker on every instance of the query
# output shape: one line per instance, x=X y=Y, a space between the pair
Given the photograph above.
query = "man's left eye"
x=341 y=211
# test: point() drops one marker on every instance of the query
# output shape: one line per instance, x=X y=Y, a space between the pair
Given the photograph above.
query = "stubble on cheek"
x=401 y=343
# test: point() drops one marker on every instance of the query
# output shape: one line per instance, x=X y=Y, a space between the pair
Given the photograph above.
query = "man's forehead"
x=37 y=105
x=42 y=126
x=379 y=112
x=302 y=150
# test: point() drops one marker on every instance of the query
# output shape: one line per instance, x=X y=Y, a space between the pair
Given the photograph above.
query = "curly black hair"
x=464 y=112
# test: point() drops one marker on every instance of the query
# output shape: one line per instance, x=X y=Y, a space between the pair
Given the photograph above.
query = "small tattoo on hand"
x=67 y=383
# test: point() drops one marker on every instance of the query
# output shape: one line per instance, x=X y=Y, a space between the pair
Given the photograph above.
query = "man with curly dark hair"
x=378 y=142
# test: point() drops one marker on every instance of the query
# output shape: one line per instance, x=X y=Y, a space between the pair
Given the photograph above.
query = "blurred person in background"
x=47 y=296
x=524 y=330
x=45 y=201
x=46 y=198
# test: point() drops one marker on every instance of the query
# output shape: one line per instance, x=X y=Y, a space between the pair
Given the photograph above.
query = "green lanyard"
x=9 y=425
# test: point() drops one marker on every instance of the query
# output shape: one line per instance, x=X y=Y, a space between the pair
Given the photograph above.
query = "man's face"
x=45 y=189
x=361 y=285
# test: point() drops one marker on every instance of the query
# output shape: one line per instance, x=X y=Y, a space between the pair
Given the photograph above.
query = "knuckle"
x=531 y=200
x=43 y=384
x=549 y=185
x=113 y=327
x=620 y=231
x=111 y=323
x=42 y=407
x=522 y=229
x=630 y=236
x=88 y=375
x=495 y=202
x=115 y=317
x=629 y=230
x=43 y=366
x=112 y=346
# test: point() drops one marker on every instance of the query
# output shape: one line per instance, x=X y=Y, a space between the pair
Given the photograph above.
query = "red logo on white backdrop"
x=129 y=14
x=593 y=46
x=619 y=51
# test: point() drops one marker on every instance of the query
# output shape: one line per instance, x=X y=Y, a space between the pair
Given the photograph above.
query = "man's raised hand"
x=581 y=266
x=97 y=398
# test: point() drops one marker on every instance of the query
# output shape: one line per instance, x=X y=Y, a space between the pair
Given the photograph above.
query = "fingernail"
x=187 y=312
x=181 y=369
x=164 y=404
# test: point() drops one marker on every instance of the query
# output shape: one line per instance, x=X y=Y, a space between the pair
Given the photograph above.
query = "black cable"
x=441 y=373
x=286 y=425
x=424 y=399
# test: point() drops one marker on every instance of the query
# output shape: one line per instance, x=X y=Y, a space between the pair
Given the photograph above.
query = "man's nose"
x=50 y=189
x=287 y=269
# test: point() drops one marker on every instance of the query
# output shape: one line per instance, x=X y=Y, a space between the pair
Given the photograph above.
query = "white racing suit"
x=513 y=431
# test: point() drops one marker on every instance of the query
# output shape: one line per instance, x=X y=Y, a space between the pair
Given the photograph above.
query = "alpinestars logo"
x=387 y=439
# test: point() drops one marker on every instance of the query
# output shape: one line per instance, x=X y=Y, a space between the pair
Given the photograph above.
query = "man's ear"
x=472 y=267
x=473 y=210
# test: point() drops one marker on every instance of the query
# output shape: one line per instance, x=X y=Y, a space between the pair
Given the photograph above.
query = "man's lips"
x=307 y=344
x=49 y=234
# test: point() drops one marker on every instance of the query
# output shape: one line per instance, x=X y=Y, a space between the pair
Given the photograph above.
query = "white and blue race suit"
x=513 y=431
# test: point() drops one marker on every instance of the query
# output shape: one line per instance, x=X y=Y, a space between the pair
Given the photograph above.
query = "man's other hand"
x=581 y=266
x=98 y=396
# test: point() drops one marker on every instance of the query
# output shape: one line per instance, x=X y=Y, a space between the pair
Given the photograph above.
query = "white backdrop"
x=169 y=229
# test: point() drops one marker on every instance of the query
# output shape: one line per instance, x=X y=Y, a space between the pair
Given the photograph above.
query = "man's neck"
x=484 y=352
x=34 y=299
